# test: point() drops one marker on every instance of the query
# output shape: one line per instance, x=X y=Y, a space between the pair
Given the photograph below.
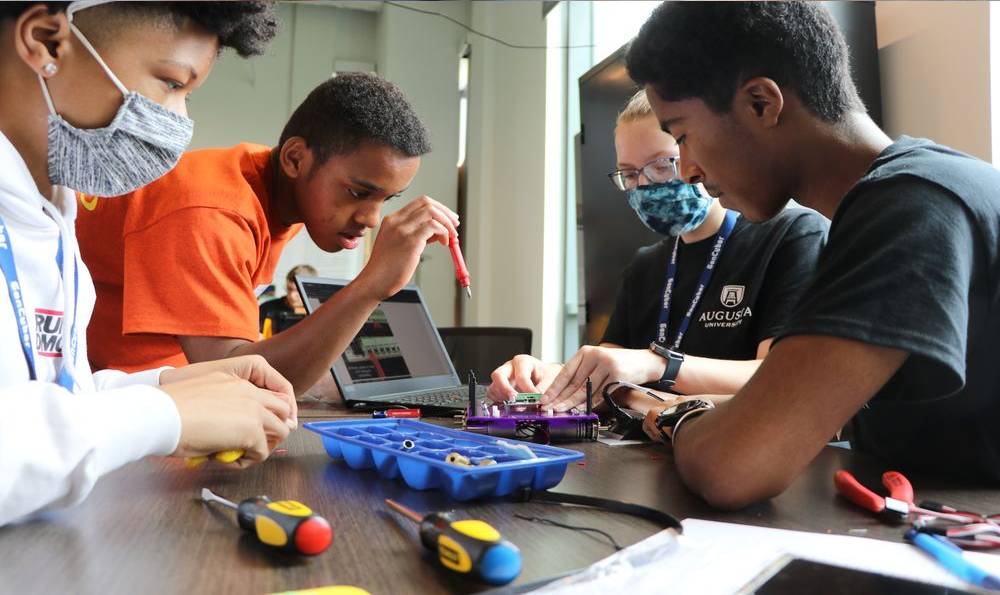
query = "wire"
x=490 y=37
x=605 y=534
x=624 y=383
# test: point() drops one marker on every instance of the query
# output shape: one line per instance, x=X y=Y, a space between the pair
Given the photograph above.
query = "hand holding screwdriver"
x=467 y=547
x=286 y=525
x=226 y=456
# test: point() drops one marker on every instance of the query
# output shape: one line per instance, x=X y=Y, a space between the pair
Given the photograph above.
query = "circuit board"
x=523 y=417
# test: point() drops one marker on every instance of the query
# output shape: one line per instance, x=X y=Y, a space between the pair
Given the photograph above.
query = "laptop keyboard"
x=441 y=398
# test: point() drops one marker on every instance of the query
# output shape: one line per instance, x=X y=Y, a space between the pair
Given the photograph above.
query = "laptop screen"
x=398 y=349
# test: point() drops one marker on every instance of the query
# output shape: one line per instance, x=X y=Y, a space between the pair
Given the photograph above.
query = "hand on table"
x=603 y=365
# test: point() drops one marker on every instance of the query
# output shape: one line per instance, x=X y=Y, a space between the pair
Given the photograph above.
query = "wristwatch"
x=674 y=361
x=671 y=417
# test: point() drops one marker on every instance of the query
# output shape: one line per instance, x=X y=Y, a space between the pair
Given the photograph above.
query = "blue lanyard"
x=706 y=276
x=9 y=268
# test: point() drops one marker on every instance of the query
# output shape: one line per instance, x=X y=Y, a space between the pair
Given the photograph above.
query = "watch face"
x=689 y=405
x=666 y=415
x=670 y=414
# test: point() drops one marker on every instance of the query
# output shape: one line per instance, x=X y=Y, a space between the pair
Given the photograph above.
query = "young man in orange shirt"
x=176 y=263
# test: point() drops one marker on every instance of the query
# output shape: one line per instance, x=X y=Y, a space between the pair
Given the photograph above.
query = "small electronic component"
x=455 y=458
x=511 y=407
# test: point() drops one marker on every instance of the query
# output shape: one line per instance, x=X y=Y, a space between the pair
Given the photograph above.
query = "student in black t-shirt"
x=900 y=329
x=720 y=321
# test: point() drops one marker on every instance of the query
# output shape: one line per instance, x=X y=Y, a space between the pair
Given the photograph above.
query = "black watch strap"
x=674 y=360
x=671 y=417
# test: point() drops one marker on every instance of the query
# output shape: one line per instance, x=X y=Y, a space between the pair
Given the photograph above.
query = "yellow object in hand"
x=226 y=456
x=331 y=590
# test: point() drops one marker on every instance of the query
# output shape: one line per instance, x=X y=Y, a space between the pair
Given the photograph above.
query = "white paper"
x=713 y=558
x=609 y=439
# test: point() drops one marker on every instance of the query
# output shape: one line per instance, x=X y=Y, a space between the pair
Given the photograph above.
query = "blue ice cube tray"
x=378 y=443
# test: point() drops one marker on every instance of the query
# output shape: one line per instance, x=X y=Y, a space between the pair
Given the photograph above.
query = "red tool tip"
x=313 y=536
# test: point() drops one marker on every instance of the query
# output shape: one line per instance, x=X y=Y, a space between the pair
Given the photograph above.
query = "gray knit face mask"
x=143 y=141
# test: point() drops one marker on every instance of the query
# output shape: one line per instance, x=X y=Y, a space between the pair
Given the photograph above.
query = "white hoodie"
x=54 y=444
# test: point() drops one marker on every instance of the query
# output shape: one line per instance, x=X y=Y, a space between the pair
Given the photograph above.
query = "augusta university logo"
x=732 y=295
x=48 y=332
x=733 y=313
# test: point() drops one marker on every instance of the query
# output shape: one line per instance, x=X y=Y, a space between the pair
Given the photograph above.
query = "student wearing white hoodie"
x=93 y=99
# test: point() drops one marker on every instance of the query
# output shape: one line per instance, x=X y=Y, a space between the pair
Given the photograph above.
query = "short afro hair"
x=246 y=26
x=353 y=108
x=706 y=50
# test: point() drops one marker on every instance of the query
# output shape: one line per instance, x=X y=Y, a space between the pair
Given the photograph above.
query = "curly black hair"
x=706 y=50
x=352 y=108
x=246 y=26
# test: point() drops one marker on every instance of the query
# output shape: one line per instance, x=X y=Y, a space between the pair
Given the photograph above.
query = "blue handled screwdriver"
x=466 y=547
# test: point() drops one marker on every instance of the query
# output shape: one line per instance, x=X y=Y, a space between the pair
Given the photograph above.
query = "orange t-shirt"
x=181 y=257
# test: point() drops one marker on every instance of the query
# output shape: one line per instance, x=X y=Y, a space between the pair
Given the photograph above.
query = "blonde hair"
x=302 y=269
x=637 y=108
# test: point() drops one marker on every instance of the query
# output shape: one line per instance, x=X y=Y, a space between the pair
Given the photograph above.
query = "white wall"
x=250 y=100
x=507 y=217
x=557 y=147
x=420 y=54
x=935 y=72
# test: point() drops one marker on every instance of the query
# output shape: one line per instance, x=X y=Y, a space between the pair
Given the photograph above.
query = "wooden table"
x=143 y=531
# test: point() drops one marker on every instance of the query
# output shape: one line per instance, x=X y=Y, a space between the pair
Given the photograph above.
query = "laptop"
x=397 y=358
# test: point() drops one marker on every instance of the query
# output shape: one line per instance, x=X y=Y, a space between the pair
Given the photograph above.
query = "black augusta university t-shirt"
x=760 y=274
x=912 y=263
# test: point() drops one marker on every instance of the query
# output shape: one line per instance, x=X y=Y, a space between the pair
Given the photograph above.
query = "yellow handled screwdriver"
x=466 y=547
x=286 y=524
x=226 y=456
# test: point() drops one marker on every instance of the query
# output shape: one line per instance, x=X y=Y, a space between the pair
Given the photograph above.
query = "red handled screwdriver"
x=286 y=524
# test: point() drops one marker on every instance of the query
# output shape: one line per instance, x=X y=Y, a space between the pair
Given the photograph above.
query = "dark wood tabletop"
x=143 y=530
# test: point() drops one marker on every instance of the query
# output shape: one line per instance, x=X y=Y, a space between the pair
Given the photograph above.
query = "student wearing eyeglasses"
x=696 y=312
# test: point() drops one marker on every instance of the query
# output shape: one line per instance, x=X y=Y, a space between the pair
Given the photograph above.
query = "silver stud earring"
x=50 y=69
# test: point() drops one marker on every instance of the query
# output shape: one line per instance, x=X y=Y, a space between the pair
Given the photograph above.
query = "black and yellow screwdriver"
x=286 y=524
x=466 y=547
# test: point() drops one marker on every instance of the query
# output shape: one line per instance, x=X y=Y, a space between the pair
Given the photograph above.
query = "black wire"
x=490 y=37
x=605 y=534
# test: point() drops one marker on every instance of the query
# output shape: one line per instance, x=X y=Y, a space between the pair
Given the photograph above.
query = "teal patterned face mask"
x=669 y=208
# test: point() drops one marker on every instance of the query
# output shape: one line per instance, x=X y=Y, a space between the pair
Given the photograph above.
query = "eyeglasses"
x=661 y=169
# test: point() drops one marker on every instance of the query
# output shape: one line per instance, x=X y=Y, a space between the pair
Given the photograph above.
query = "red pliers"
x=964 y=529
x=896 y=506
